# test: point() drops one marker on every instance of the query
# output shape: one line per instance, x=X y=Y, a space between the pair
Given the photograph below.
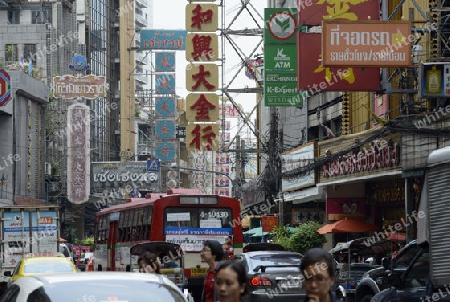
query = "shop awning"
x=361 y=178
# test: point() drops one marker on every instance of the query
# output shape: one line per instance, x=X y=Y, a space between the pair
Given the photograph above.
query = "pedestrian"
x=211 y=254
x=147 y=263
x=231 y=281
x=319 y=272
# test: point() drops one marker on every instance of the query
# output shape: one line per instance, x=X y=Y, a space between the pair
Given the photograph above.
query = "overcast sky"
x=172 y=16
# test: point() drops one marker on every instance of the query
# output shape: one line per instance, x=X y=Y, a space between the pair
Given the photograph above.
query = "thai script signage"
x=381 y=154
x=163 y=39
x=366 y=43
x=71 y=87
x=120 y=174
x=78 y=157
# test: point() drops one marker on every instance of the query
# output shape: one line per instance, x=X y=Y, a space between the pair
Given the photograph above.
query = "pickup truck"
x=376 y=280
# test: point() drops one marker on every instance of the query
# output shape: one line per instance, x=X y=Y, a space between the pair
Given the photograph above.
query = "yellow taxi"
x=41 y=263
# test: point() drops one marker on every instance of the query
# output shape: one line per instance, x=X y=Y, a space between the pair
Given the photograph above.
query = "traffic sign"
x=153 y=165
x=5 y=87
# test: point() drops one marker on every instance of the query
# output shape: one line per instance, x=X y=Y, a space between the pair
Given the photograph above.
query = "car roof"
x=54 y=278
x=258 y=253
x=45 y=259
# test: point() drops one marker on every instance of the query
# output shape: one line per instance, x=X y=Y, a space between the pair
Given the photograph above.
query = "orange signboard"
x=367 y=43
x=269 y=223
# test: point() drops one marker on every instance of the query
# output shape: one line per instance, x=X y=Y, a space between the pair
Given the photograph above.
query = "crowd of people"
x=225 y=281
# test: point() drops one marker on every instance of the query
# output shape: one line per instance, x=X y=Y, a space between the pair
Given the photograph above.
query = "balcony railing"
x=140 y=19
x=142 y=3
x=37 y=72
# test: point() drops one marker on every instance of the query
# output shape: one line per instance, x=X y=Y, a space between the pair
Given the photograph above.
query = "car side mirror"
x=386 y=263
x=395 y=280
x=7 y=274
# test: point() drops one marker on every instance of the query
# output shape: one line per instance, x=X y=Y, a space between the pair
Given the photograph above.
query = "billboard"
x=314 y=78
x=163 y=39
x=366 y=43
x=313 y=12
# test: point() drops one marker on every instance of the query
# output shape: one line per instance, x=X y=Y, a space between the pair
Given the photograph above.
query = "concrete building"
x=22 y=133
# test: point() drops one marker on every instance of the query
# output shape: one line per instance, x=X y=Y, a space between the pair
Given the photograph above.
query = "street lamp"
x=233 y=182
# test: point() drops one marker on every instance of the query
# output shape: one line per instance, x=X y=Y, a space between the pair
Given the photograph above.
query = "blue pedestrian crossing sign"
x=153 y=165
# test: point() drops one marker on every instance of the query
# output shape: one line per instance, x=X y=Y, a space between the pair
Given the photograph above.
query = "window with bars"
x=11 y=52
x=29 y=51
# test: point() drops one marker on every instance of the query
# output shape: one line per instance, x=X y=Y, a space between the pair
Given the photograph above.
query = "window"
x=29 y=51
x=11 y=52
x=198 y=217
x=418 y=275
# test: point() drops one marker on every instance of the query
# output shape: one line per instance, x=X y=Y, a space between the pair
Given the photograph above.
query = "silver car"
x=94 y=286
x=273 y=276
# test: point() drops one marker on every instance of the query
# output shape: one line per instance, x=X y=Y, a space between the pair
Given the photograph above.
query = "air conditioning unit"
x=48 y=169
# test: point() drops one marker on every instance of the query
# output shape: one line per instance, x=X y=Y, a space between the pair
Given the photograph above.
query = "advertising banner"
x=366 y=43
x=71 y=87
x=314 y=78
x=313 y=12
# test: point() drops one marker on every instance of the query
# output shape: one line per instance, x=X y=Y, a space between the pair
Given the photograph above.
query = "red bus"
x=183 y=216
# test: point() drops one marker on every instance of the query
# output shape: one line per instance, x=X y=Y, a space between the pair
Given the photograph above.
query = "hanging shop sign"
x=202 y=17
x=78 y=157
x=202 y=107
x=435 y=80
x=163 y=39
x=165 y=83
x=202 y=137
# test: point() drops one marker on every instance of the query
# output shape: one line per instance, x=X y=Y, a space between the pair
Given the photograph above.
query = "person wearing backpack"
x=211 y=254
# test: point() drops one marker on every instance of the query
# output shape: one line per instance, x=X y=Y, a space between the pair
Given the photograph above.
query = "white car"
x=95 y=286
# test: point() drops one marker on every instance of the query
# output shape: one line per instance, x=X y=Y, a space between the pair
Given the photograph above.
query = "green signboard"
x=280 y=89
x=281 y=26
x=280 y=57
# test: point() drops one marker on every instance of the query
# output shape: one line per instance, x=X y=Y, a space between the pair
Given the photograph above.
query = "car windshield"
x=47 y=267
x=287 y=262
x=111 y=290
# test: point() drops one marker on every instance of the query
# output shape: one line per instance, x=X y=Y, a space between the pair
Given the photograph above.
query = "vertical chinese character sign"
x=202 y=77
x=78 y=157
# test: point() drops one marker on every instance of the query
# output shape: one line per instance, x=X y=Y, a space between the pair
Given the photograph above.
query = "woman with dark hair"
x=319 y=272
x=211 y=254
x=231 y=281
x=148 y=263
